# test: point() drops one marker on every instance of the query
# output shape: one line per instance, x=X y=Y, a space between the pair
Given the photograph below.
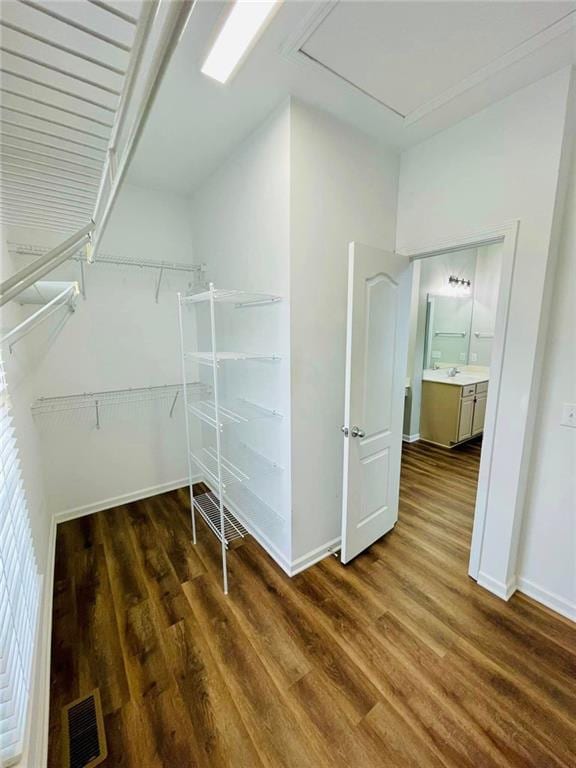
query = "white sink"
x=460 y=379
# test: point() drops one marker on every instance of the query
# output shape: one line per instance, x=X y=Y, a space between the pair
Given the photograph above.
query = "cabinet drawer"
x=482 y=387
x=469 y=389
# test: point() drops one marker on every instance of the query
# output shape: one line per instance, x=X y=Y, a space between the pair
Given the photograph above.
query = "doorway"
x=498 y=489
x=453 y=311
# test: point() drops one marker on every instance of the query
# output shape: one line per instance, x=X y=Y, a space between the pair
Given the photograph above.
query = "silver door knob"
x=357 y=432
x=345 y=430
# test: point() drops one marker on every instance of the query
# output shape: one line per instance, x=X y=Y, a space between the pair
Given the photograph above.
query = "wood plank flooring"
x=396 y=660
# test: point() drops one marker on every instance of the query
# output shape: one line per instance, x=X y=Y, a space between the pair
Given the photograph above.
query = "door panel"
x=466 y=416
x=479 y=413
x=377 y=336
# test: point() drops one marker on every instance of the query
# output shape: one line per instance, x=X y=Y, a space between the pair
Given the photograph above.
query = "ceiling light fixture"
x=239 y=31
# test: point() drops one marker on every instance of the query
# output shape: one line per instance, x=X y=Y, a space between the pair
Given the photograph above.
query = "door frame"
x=488 y=505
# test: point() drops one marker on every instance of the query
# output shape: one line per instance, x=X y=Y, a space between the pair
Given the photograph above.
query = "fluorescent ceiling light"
x=243 y=23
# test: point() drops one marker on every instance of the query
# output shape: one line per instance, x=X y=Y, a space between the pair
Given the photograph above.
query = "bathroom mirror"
x=448 y=329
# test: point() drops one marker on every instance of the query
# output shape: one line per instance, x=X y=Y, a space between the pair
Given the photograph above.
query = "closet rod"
x=68 y=298
x=29 y=274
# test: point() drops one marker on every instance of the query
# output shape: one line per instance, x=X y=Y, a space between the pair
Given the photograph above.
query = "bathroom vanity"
x=453 y=408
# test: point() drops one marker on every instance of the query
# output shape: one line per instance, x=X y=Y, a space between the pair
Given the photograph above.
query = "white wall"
x=547 y=567
x=343 y=188
x=240 y=225
x=119 y=337
x=485 y=285
x=501 y=164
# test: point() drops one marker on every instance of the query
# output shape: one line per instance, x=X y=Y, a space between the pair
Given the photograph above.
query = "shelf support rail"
x=218 y=440
x=186 y=416
x=68 y=298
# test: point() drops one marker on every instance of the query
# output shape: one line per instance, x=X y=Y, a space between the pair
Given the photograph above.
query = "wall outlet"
x=462 y=357
x=436 y=355
x=473 y=357
x=569 y=415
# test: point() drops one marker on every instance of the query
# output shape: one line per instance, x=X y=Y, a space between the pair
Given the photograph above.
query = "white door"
x=379 y=285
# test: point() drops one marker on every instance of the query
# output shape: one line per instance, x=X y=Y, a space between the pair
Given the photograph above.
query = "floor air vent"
x=84 y=737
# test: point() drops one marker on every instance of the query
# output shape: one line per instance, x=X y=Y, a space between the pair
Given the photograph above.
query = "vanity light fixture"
x=459 y=282
x=238 y=33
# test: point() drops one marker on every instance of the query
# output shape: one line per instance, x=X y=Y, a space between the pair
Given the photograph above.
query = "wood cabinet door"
x=479 y=414
x=466 y=418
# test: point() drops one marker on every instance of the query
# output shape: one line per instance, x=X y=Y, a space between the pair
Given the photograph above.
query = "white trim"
x=290 y=568
x=549 y=599
x=319 y=10
x=125 y=498
x=315 y=555
x=498 y=588
x=507 y=234
x=411 y=438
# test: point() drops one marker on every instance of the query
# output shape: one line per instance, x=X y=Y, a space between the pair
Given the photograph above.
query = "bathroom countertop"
x=463 y=379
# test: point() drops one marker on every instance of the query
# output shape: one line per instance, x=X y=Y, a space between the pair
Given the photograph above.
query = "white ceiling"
x=407 y=53
x=399 y=71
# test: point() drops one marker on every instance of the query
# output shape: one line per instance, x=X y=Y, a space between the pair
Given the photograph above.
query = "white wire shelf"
x=208 y=506
x=116 y=397
x=237 y=411
x=207 y=358
x=248 y=465
x=207 y=461
x=249 y=507
x=238 y=298
x=161 y=265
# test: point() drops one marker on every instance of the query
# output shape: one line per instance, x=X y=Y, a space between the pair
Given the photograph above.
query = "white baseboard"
x=314 y=556
x=498 y=588
x=125 y=498
x=411 y=438
x=549 y=599
x=290 y=568
x=256 y=533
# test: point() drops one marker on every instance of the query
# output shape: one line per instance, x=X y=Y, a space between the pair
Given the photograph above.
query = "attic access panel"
x=406 y=54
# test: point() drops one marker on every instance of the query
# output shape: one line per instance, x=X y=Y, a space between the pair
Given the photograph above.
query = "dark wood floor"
x=398 y=659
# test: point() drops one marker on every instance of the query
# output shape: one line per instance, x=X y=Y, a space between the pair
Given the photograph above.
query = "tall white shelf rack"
x=226 y=513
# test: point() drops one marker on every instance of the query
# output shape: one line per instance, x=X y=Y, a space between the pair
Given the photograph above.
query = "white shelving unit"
x=217 y=452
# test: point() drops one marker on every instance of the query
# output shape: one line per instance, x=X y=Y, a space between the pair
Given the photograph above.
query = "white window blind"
x=18 y=592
